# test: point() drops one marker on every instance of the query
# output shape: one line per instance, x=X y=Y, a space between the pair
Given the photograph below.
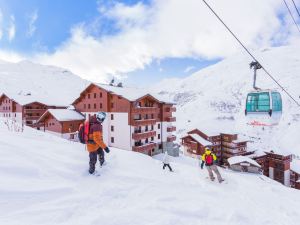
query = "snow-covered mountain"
x=214 y=98
x=49 y=84
x=44 y=180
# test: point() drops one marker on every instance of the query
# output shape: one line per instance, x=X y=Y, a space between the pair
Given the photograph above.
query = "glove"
x=107 y=150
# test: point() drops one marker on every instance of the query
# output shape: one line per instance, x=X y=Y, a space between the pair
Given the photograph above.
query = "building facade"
x=61 y=122
x=135 y=122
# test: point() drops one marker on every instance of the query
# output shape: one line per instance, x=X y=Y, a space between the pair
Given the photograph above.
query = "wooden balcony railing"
x=144 y=148
x=171 y=109
x=143 y=122
x=144 y=110
x=171 y=119
x=144 y=135
x=171 y=129
x=171 y=138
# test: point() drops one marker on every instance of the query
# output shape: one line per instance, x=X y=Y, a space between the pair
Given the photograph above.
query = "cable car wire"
x=253 y=57
x=296 y=8
x=288 y=8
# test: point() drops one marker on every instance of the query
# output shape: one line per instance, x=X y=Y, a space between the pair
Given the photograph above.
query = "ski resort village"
x=150 y=112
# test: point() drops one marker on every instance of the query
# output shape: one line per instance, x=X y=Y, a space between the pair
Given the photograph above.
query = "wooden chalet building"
x=295 y=174
x=244 y=164
x=61 y=122
x=223 y=145
x=136 y=121
x=23 y=109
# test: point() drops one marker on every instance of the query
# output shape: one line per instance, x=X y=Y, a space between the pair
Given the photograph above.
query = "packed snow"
x=44 y=180
x=214 y=98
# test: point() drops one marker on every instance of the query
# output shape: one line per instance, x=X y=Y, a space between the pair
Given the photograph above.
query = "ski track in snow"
x=44 y=180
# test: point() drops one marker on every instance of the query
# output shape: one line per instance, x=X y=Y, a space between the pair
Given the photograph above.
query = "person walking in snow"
x=208 y=158
x=95 y=145
x=166 y=161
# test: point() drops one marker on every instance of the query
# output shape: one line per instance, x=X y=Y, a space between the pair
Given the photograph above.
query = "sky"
x=138 y=42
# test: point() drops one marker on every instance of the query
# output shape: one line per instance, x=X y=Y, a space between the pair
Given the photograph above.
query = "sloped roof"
x=241 y=159
x=200 y=139
x=63 y=115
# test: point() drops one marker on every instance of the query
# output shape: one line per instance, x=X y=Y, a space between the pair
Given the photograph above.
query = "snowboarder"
x=208 y=158
x=95 y=144
x=166 y=161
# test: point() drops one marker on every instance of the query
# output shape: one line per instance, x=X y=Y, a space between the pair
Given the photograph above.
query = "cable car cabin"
x=263 y=108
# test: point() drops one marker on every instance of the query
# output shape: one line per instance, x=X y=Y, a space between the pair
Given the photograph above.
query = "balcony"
x=143 y=122
x=31 y=118
x=171 y=138
x=171 y=129
x=171 y=119
x=171 y=109
x=144 y=135
x=144 y=148
x=144 y=110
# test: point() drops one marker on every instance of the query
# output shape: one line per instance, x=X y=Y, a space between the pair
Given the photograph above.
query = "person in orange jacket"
x=95 y=144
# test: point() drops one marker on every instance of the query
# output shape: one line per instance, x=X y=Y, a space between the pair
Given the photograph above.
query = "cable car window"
x=277 y=102
x=258 y=102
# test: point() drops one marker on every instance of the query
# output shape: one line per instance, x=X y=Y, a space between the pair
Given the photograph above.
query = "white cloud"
x=31 y=25
x=169 y=28
x=11 y=28
x=189 y=69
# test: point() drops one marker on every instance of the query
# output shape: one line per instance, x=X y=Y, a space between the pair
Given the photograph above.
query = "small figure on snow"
x=95 y=144
x=166 y=161
x=208 y=158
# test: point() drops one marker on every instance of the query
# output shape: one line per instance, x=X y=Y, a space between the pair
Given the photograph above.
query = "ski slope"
x=44 y=181
x=213 y=99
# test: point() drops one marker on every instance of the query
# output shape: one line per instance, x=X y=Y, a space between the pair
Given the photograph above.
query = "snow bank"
x=44 y=181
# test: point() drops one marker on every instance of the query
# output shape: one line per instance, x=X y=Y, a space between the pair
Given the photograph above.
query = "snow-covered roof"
x=298 y=181
x=295 y=165
x=63 y=115
x=241 y=159
x=240 y=140
x=257 y=153
x=200 y=139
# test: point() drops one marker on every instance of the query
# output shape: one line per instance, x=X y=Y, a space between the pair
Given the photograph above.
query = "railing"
x=143 y=148
x=147 y=134
x=171 y=129
x=142 y=110
x=143 y=122
x=32 y=117
x=171 y=119
x=171 y=138
x=171 y=109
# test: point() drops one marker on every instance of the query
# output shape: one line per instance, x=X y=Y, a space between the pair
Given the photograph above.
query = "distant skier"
x=208 y=158
x=95 y=144
x=166 y=161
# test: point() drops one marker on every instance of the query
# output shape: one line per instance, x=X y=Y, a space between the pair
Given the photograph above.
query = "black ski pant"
x=93 y=159
x=168 y=165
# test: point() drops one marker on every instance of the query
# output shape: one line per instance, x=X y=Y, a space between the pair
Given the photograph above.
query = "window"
x=158 y=136
x=152 y=138
x=89 y=96
x=146 y=141
x=112 y=140
x=89 y=106
x=152 y=127
x=258 y=102
x=100 y=94
x=95 y=95
x=84 y=106
x=100 y=105
x=112 y=105
x=112 y=128
x=276 y=101
x=112 y=116
x=146 y=116
x=95 y=106
x=146 y=129
x=158 y=126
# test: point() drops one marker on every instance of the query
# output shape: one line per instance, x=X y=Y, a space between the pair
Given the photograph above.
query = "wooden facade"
x=147 y=123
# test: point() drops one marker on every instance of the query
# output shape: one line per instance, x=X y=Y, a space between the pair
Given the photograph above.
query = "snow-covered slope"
x=213 y=99
x=48 y=84
x=44 y=181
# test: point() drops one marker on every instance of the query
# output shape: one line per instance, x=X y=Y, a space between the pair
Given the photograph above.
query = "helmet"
x=100 y=116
